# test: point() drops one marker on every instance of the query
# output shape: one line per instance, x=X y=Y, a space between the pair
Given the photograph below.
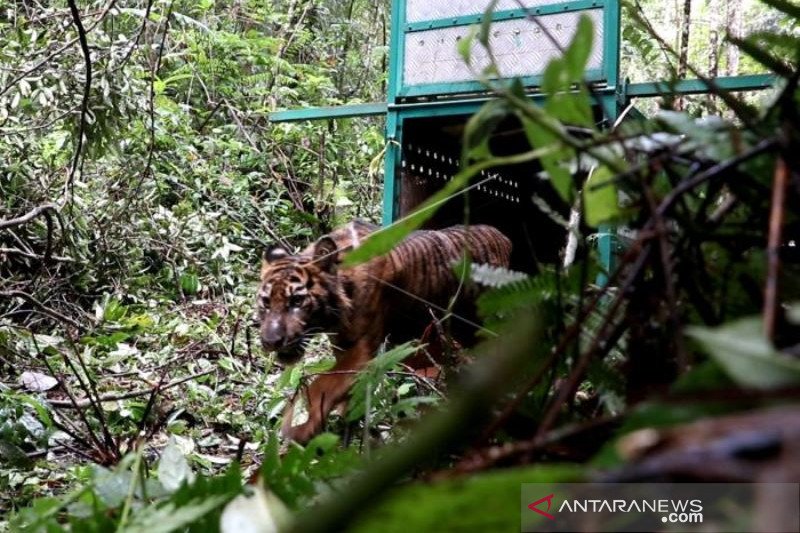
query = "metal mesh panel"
x=419 y=10
x=520 y=47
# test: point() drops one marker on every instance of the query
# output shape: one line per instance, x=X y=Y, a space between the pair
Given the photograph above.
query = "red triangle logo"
x=549 y=499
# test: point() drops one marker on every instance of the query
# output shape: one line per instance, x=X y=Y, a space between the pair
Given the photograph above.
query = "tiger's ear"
x=272 y=254
x=326 y=254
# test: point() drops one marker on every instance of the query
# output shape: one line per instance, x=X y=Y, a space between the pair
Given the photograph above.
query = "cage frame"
x=406 y=102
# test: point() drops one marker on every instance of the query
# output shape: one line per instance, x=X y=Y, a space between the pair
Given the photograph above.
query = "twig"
x=668 y=274
x=87 y=88
x=139 y=34
x=773 y=247
x=27 y=217
x=57 y=52
x=43 y=308
x=98 y=447
x=90 y=389
x=85 y=402
x=151 y=145
x=32 y=255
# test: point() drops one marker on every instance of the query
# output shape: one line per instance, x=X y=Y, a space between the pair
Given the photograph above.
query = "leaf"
x=791 y=9
x=600 y=200
x=372 y=373
x=763 y=56
x=464 y=45
x=486 y=23
x=383 y=240
x=493 y=276
x=480 y=127
x=173 y=517
x=259 y=512
x=37 y=382
x=577 y=54
x=173 y=468
x=190 y=283
x=11 y=454
x=747 y=356
x=559 y=175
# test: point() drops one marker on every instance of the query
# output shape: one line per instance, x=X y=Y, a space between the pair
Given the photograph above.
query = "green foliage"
x=103 y=504
x=747 y=356
x=384 y=392
x=300 y=474
x=144 y=271
x=483 y=502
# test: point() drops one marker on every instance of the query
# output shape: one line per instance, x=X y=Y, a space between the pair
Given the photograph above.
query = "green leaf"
x=600 y=197
x=464 y=45
x=747 y=356
x=486 y=23
x=173 y=517
x=173 y=468
x=190 y=283
x=560 y=177
x=384 y=240
x=12 y=455
x=763 y=56
x=791 y=9
x=480 y=127
x=577 y=54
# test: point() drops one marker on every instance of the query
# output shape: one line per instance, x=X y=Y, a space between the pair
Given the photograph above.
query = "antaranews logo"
x=672 y=511
x=535 y=506
x=624 y=507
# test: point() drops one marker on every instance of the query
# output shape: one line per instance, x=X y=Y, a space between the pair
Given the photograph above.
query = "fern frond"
x=492 y=276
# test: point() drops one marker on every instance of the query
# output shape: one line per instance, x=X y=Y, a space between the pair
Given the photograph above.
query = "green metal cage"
x=431 y=94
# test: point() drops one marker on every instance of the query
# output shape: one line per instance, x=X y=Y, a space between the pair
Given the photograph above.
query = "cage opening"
x=501 y=196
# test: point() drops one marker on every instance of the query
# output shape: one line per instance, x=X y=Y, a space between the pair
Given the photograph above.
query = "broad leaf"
x=600 y=197
x=747 y=356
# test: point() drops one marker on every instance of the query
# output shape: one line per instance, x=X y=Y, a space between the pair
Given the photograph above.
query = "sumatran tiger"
x=361 y=306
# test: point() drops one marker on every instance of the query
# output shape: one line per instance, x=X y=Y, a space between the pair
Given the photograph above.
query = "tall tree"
x=734 y=19
x=683 y=57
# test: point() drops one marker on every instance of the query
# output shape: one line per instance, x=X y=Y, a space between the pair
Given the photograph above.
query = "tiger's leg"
x=328 y=390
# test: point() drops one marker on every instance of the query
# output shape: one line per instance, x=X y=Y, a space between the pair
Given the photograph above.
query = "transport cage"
x=429 y=157
x=431 y=94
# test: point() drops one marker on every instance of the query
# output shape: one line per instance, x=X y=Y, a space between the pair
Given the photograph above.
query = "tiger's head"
x=298 y=296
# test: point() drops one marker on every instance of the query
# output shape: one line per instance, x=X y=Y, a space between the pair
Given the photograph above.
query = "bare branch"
x=43 y=308
x=57 y=52
x=85 y=402
x=87 y=87
x=27 y=217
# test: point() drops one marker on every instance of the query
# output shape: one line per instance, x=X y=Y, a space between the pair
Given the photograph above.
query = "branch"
x=85 y=402
x=32 y=255
x=773 y=247
x=27 y=217
x=87 y=87
x=43 y=308
x=57 y=52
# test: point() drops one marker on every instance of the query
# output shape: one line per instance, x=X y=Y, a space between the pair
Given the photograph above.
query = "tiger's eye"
x=296 y=300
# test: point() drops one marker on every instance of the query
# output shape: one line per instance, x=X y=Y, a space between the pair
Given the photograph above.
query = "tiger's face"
x=294 y=299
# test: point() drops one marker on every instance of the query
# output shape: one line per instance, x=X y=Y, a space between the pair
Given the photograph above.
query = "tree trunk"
x=733 y=24
x=713 y=9
x=683 y=57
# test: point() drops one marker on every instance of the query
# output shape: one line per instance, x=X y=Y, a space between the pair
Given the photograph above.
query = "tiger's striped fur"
x=307 y=293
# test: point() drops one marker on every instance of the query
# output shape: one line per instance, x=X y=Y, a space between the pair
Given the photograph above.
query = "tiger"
x=361 y=306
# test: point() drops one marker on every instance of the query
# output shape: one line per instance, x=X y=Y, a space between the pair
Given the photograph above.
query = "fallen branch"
x=85 y=402
x=43 y=308
x=27 y=217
